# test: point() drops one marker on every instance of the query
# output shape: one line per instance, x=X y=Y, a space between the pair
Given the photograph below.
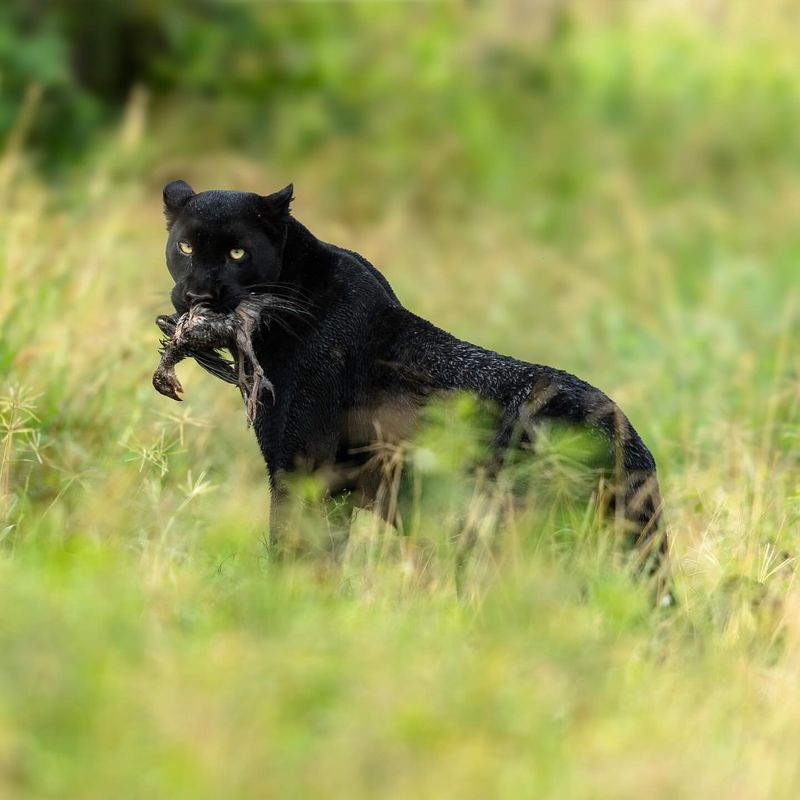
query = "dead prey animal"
x=199 y=333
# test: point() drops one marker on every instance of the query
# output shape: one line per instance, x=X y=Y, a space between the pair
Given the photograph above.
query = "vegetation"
x=610 y=188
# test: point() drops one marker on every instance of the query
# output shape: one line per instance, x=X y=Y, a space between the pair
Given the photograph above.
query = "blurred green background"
x=612 y=188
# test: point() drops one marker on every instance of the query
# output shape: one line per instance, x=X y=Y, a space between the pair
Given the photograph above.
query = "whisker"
x=286 y=303
x=280 y=304
x=284 y=285
x=274 y=288
x=284 y=326
x=285 y=323
x=277 y=310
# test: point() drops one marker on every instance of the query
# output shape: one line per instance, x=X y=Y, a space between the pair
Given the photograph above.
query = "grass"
x=643 y=235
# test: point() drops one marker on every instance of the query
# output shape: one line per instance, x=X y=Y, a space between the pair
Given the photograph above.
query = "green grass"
x=622 y=203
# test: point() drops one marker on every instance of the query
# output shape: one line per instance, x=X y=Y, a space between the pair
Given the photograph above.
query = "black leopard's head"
x=223 y=245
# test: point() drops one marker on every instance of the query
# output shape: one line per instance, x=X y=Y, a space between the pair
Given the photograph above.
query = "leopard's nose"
x=198 y=296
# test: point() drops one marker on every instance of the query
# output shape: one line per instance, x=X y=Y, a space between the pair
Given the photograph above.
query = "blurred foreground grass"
x=625 y=207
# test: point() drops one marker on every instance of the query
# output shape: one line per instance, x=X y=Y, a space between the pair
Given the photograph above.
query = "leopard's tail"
x=636 y=498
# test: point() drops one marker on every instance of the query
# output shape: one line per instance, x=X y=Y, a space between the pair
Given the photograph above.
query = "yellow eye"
x=237 y=254
x=185 y=248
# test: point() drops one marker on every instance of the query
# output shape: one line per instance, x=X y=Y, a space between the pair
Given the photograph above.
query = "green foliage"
x=609 y=188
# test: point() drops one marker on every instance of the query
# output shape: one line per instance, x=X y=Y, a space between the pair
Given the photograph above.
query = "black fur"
x=352 y=366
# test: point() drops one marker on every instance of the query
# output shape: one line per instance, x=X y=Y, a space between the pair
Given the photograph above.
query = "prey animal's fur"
x=200 y=333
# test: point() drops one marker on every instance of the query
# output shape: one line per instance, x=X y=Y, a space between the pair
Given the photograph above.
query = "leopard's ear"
x=176 y=195
x=276 y=205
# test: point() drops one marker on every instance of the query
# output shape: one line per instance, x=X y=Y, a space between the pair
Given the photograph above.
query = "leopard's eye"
x=237 y=254
x=185 y=248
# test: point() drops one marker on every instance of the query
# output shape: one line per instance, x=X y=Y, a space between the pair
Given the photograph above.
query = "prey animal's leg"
x=253 y=384
x=165 y=379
